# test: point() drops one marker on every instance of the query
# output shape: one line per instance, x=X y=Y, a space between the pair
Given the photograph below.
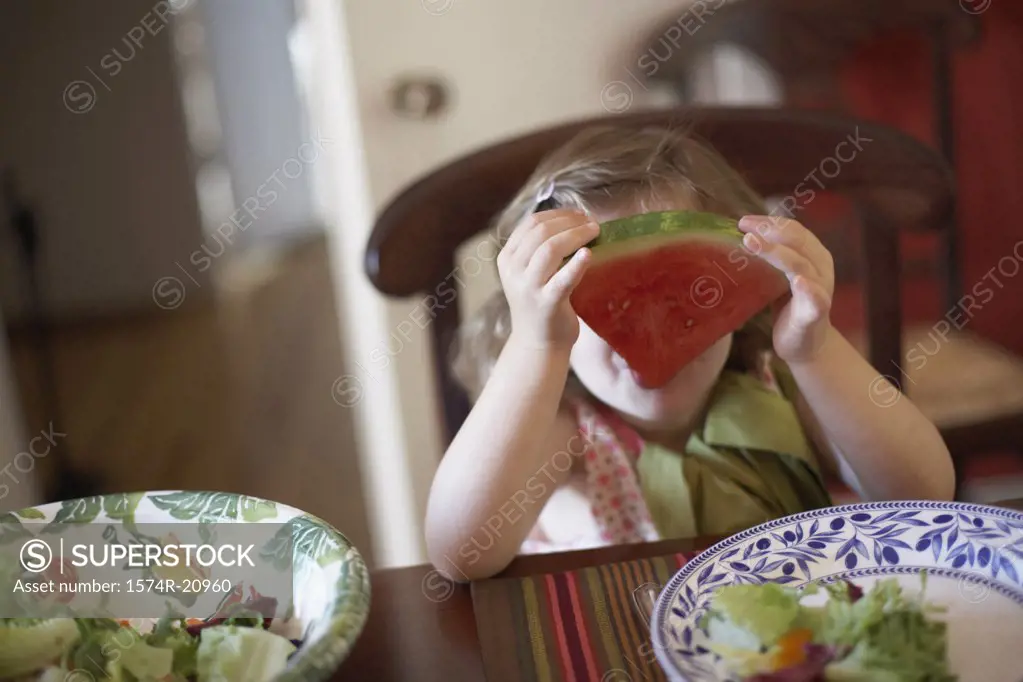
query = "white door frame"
x=349 y=210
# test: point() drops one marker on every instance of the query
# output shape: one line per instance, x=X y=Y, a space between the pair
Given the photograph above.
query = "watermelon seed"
x=625 y=306
x=610 y=307
x=689 y=323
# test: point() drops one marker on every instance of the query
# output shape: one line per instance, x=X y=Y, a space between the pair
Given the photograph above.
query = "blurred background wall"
x=251 y=57
x=183 y=330
x=12 y=435
x=114 y=182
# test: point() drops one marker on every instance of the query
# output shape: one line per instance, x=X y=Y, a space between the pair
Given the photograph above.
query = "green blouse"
x=750 y=461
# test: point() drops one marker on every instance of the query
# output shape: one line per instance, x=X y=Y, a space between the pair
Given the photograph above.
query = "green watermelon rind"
x=665 y=223
x=653 y=242
x=648 y=232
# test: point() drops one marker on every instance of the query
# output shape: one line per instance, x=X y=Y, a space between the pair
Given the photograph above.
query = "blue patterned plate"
x=973 y=555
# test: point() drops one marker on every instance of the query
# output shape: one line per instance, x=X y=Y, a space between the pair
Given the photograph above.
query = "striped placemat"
x=579 y=626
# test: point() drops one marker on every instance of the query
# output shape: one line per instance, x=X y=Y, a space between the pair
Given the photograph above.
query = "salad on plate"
x=765 y=633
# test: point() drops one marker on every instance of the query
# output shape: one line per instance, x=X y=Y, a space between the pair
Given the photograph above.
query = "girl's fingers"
x=532 y=223
x=786 y=259
x=550 y=255
x=537 y=238
x=791 y=233
x=810 y=303
x=565 y=280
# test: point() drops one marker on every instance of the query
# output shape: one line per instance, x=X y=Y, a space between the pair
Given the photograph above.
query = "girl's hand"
x=537 y=290
x=802 y=324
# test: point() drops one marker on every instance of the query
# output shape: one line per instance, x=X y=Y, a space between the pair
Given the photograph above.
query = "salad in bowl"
x=225 y=649
x=238 y=631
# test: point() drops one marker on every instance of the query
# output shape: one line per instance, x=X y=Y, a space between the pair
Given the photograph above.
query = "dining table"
x=422 y=627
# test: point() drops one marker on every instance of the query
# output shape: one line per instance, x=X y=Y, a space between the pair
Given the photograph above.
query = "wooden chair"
x=896 y=182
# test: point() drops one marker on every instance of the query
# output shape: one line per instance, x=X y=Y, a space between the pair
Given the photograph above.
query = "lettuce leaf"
x=753 y=616
x=170 y=633
x=231 y=653
x=28 y=645
x=98 y=651
x=890 y=635
x=148 y=663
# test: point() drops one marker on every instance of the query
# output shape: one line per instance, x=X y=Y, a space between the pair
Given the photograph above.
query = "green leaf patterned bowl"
x=331 y=587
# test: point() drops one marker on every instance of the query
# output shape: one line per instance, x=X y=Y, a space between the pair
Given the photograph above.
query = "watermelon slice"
x=662 y=288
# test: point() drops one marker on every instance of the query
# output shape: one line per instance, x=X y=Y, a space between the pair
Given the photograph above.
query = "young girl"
x=565 y=449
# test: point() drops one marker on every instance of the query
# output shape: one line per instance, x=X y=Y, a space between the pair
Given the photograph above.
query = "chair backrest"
x=896 y=181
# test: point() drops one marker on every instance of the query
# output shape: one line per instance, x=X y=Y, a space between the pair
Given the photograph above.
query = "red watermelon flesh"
x=664 y=287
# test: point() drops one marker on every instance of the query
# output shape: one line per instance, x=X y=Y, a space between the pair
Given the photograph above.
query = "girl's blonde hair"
x=609 y=165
